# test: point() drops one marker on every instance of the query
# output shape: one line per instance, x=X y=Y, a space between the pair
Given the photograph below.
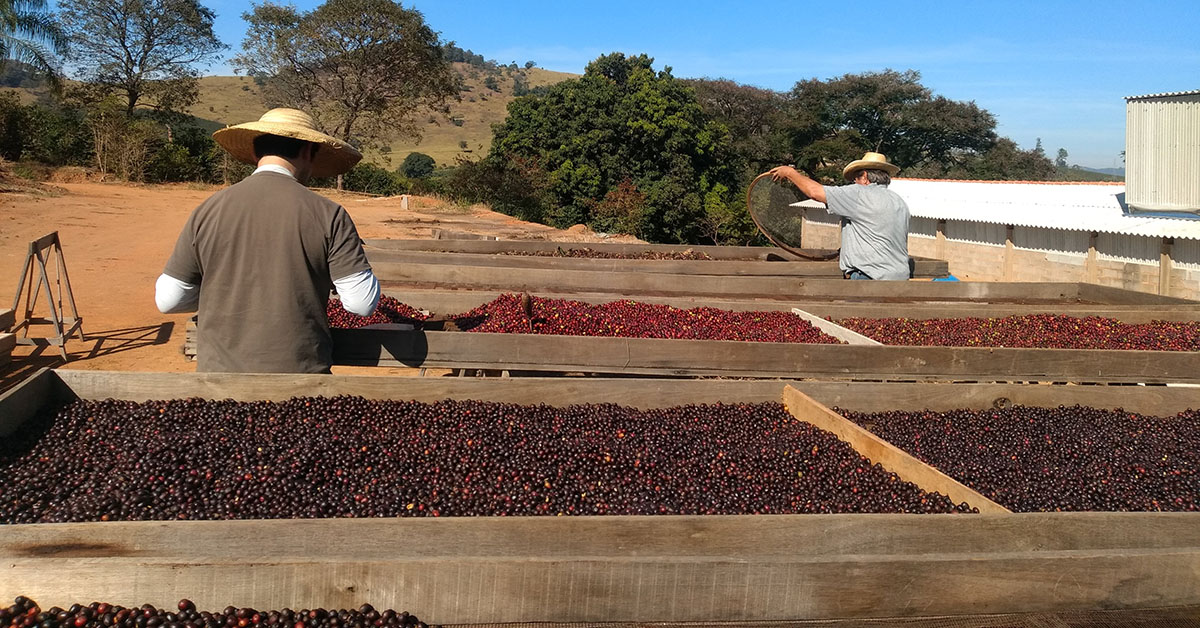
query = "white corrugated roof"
x=1193 y=92
x=1075 y=206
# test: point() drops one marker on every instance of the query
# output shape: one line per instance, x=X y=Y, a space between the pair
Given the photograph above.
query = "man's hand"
x=811 y=188
x=782 y=173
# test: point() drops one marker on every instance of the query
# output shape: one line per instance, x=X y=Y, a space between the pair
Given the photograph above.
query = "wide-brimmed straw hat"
x=870 y=161
x=334 y=156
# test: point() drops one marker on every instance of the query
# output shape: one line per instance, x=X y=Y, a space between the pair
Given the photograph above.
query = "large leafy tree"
x=29 y=34
x=623 y=147
x=1004 y=161
x=891 y=112
x=365 y=69
x=145 y=52
x=756 y=119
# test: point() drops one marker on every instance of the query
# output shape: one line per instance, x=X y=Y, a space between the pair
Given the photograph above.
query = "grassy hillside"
x=233 y=99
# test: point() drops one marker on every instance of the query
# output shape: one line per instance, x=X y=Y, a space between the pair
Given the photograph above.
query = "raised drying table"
x=612 y=569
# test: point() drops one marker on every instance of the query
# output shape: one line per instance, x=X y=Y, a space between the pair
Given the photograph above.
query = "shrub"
x=372 y=179
x=417 y=166
x=516 y=187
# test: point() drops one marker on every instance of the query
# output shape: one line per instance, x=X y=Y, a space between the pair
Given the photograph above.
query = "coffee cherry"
x=1044 y=331
x=631 y=319
x=389 y=310
x=1047 y=459
x=103 y=615
x=352 y=457
x=588 y=253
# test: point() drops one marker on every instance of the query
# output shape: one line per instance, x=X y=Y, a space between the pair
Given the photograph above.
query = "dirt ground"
x=116 y=238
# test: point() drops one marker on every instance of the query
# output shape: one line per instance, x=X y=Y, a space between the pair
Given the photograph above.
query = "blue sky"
x=1050 y=69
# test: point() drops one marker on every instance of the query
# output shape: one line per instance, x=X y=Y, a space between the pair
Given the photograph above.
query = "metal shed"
x=1162 y=153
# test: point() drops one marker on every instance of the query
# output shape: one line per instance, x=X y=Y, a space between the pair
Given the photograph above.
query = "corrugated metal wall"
x=977 y=232
x=1186 y=254
x=1162 y=158
x=1127 y=248
x=922 y=227
x=1051 y=240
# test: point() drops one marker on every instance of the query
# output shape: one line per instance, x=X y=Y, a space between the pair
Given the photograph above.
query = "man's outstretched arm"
x=811 y=188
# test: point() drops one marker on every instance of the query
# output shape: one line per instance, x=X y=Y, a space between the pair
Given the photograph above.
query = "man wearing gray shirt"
x=874 y=218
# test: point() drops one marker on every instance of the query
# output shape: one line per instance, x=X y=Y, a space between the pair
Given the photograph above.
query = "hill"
x=467 y=133
x=1116 y=172
x=1076 y=173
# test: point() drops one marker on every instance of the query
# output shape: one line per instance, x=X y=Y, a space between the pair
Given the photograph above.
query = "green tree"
x=366 y=70
x=1004 y=161
x=1061 y=160
x=417 y=166
x=835 y=121
x=620 y=121
x=756 y=118
x=145 y=51
x=30 y=35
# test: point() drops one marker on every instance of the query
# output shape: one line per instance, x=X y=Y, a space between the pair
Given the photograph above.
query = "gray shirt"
x=874 y=229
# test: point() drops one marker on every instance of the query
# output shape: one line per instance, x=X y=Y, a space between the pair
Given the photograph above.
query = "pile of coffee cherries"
x=25 y=613
x=632 y=319
x=587 y=253
x=389 y=310
x=1045 y=331
x=1033 y=459
x=352 y=457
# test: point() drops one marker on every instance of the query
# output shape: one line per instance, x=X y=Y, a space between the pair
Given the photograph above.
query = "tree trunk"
x=339 y=182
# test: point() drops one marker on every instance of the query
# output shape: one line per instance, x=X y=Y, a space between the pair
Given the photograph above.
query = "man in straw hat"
x=259 y=258
x=874 y=218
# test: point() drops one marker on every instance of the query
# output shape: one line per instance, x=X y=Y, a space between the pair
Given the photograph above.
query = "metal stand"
x=65 y=326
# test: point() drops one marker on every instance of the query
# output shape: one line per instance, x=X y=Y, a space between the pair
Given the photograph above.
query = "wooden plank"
x=539 y=280
x=878 y=450
x=835 y=330
x=449 y=302
x=645 y=356
x=680 y=267
x=589 y=569
x=7 y=318
x=533 y=246
x=1119 y=296
x=23 y=401
x=640 y=393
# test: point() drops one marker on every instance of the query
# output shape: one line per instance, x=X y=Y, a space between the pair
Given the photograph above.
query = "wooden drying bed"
x=613 y=569
x=395 y=275
x=7 y=341
x=691 y=358
x=922 y=268
x=451 y=302
x=495 y=247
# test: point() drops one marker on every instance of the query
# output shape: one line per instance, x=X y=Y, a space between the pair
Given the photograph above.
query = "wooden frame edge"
x=891 y=457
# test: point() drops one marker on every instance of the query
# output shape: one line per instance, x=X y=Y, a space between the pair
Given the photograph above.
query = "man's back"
x=875 y=229
x=265 y=252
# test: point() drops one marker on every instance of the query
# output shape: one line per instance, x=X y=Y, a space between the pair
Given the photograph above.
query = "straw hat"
x=870 y=161
x=334 y=157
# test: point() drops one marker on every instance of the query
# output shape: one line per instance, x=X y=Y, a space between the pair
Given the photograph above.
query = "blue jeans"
x=855 y=273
